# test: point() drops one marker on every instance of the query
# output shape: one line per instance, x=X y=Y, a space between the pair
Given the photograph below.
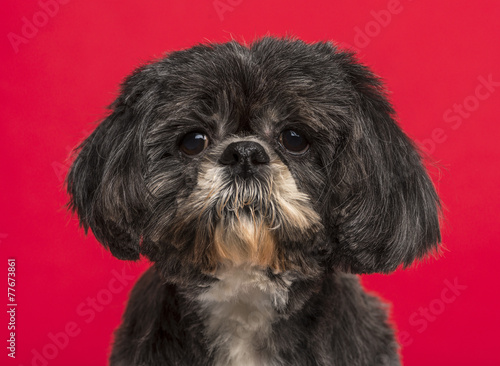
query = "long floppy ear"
x=105 y=182
x=389 y=210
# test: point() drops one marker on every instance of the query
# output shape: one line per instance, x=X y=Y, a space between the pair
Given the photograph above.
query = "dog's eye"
x=293 y=142
x=193 y=143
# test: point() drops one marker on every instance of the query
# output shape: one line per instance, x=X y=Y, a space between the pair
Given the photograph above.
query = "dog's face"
x=281 y=155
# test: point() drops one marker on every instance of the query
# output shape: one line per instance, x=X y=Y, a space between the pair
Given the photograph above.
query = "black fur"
x=364 y=177
x=334 y=323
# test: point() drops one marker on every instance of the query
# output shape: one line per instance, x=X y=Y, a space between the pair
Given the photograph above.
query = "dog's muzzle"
x=244 y=158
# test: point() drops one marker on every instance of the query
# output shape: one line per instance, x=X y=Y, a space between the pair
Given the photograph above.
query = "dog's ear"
x=105 y=182
x=389 y=209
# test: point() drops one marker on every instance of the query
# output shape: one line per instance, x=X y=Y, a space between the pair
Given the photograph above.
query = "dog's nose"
x=244 y=157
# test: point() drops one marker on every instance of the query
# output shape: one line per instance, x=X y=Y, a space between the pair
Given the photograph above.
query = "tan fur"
x=246 y=240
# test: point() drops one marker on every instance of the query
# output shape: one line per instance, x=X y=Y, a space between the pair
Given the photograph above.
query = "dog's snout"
x=244 y=152
x=244 y=156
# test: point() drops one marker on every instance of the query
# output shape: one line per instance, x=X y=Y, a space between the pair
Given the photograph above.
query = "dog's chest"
x=238 y=312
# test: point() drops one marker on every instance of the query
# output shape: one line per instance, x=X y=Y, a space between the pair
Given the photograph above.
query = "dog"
x=260 y=180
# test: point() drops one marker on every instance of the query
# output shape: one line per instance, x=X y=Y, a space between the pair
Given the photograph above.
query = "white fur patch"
x=239 y=312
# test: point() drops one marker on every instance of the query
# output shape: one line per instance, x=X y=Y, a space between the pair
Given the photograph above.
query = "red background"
x=56 y=83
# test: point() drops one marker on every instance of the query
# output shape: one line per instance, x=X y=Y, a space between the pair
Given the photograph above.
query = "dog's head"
x=281 y=154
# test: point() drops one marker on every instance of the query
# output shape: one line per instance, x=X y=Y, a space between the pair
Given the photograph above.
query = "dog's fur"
x=259 y=270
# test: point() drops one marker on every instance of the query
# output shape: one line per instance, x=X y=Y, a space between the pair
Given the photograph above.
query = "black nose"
x=244 y=157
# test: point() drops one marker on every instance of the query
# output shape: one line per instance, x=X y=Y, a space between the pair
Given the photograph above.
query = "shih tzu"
x=259 y=180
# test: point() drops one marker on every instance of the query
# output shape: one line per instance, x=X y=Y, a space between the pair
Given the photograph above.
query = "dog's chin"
x=253 y=222
x=245 y=237
x=226 y=222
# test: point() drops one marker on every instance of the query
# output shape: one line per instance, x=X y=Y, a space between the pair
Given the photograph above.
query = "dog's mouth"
x=235 y=220
x=245 y=197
